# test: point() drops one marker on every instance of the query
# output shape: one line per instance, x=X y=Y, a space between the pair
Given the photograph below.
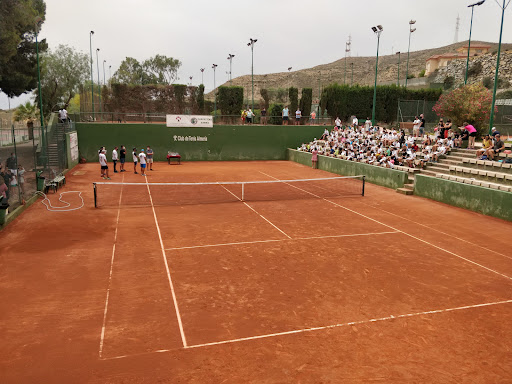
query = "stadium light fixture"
x=472 y=6
x=230 y=58
x=251 y=44
x=377 y=30
x=202 y=78
x=411 y=30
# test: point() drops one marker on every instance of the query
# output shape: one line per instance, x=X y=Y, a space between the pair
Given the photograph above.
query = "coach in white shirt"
x=114 y=158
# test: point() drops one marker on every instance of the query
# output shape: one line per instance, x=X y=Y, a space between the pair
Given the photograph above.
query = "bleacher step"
x=409 y=186
x=404 y=191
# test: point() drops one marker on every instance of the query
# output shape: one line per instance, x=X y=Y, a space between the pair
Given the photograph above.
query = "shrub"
x=448 y=82
x=305 y=101
x=293 y=94
x=275 y=112
x=230 y=100
x=410 y=76
x=475 y=69
x=487 y=82
x=422 y=73
x=504 y=95
x=470 y=103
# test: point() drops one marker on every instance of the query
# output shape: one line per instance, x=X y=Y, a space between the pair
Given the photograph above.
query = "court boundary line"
x=280 y=240
x=320 y=328
x=405 y=233
x=103 y=328
x=175 y=300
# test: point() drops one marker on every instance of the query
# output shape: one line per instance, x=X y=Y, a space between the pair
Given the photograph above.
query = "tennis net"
x=112 y=194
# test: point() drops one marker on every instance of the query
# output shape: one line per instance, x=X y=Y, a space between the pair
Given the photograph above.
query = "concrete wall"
x=482 y=200
x=376 y=175
x=218 y=143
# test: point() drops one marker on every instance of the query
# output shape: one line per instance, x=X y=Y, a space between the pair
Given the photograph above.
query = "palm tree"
x=27 y=112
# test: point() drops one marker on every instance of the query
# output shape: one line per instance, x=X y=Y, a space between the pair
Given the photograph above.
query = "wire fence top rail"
x=358 y=177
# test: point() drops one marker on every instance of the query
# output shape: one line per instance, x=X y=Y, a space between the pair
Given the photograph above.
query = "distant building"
x=439 y=61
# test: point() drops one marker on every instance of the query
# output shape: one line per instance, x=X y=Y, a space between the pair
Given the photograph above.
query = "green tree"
x=305 y=101
x=29 y=113
x=275 y=112
x=266 y=97
x=293 y=94
x=62 y=73
x=129 y=72
x=470 y=103
x=200 y=99
x=230 y=100
x=161 y=69
x=18 y=64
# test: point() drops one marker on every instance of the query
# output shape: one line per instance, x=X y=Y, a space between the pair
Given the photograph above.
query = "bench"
x=174 y=156
x=54 y=183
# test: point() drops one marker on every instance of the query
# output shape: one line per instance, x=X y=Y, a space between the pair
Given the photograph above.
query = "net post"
x=364 y=180
x=95 y=202
x=243 y=185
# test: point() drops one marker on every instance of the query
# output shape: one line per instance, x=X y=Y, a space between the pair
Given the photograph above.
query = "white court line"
x=102 y=337
x=180 y=324
x=339 y=325
x=263 y=217
x=405 y=233
x=444 y=233
x=277 y=240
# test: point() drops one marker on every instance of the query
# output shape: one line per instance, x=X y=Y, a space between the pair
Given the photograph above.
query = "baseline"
x=304 y=330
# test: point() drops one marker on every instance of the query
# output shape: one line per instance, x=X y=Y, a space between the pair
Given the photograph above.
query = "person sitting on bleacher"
x=499 y=146
x=486 y=144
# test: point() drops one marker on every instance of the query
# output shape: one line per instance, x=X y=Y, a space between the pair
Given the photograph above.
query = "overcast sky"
x=291 y=33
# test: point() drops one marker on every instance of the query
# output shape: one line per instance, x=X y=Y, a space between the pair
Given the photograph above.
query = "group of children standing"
x=144 y=158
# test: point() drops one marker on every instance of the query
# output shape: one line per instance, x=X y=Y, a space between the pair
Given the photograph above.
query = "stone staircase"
x=455 y=158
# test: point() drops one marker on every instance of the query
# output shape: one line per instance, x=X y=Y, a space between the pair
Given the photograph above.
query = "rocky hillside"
x=364 y=70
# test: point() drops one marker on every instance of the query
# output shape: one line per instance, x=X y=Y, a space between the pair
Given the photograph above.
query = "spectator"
x=244 y=115
x=355 y=122
x=249 y=116
x=312 y=118
x=440 y=129
x=314 y=158
x=367 y=123
x=494 y=132
x=416 y=126
x=456 y=133
x=4 y=191
x=285 y=115
x=337 y=122
x=21 y=178
x=499 y=146
x=422 y=124
x=10 y=163
x=104 y=165
x=447 y=127
x=472 y=134
x=486 y=144
x=264 y=116
x=298 y=115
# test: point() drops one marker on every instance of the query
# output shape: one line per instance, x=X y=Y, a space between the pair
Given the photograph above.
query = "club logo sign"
x=183 y=121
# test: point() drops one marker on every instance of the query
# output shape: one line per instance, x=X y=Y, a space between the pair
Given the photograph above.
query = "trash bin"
x=40 y=181
x=3 y=210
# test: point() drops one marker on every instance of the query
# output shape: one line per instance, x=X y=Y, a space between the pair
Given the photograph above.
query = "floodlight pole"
x=352 y=79
x=214 y=66
x=377 y=30
x=251 y=44
x=104 y=82
x=472 y=6
x=491 y=120
x=99 y=83
x=411 y=30
x=202 y=73
x=38 y=22
x=92 y=78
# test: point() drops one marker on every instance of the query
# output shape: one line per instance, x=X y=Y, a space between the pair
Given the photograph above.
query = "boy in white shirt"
x=114 y=158
x=135 y=160
x=142 y=158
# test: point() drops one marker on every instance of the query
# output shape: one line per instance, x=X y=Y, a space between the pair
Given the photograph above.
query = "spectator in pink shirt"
x=472 y=134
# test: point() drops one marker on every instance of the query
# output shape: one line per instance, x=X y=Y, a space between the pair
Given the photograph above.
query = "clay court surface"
x=381 y=288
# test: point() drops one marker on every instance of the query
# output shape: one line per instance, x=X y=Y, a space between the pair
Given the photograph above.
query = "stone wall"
x=457 y=68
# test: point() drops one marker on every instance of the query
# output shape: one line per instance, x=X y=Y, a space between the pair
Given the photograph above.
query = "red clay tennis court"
x=293 y=284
